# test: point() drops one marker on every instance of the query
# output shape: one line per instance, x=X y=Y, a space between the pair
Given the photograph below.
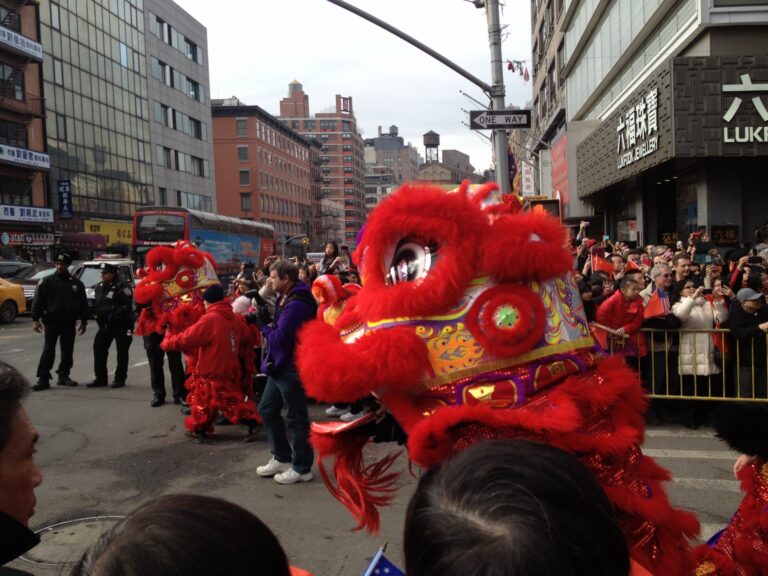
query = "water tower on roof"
x=432 y=145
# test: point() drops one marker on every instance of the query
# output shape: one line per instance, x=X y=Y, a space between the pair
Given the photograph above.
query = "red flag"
x=602 y=264
x=600 y=334
x=655 y=306
x=631 y=266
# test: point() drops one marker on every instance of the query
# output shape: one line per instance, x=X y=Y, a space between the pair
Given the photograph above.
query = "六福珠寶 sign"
x=638 y=130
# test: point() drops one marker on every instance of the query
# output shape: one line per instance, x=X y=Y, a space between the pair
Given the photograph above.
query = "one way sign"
x=485 y=120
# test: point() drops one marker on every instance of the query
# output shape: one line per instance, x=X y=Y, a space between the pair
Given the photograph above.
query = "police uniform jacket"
x=114 y=303
x=60 y=298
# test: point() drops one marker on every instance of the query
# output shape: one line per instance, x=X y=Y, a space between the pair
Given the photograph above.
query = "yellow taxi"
x=12 y=301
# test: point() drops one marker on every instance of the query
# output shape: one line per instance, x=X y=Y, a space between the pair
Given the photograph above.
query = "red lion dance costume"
x=469 y=326
x=171 y=294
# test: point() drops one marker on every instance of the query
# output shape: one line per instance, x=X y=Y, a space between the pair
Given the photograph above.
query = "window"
x=242 y=127
x=54 y=16
x=12 y=134
x=58 y=72
x=123 y=55
x=61 y=126
x=11 y=82
x=11 y=19
x=245 y=202
x=162 y=196
x=242 y=153
x=245 y=177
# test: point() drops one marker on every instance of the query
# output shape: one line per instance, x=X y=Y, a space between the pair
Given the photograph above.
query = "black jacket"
x=15 y=539
x=745 y=331
x=60 y=298
x=114 y=302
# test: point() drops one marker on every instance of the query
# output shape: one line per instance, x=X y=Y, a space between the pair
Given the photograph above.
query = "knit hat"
x=241 y=305
x=214 y=294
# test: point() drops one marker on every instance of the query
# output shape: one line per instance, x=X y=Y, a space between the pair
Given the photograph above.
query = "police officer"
x=114 y=315
x=59 y=302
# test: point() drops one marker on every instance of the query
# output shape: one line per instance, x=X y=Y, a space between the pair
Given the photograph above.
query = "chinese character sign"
x=637 y=130
x=64 y=188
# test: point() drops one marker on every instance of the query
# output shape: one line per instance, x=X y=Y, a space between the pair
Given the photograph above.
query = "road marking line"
x=707 y=484
x=690 y=454
x=678 y=433
x=15 y=350
x=141 y=364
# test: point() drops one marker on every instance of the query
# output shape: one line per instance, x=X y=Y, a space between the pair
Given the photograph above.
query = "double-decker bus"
x=229 y=240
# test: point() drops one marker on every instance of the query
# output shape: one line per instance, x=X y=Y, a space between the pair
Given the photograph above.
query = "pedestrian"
x=221 y=379
x=332 y=261
x=114 y=316
x=294 y=306
x=623 y=313
x=59 y=303
x=156 y=358
x=19 y=476
x=749 y=325
x=186 y=534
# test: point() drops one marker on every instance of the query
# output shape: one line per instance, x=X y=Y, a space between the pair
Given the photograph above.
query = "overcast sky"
x=256 y=47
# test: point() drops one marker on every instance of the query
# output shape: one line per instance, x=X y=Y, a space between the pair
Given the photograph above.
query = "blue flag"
x=380 y=566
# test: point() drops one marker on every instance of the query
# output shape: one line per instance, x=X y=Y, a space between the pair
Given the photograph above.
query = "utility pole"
x=495 y=91
x=497 y=94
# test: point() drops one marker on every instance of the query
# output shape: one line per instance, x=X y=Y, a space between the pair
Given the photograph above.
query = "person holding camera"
x=294 y=306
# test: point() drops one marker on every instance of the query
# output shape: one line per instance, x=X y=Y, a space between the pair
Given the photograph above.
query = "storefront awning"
x=83 y=240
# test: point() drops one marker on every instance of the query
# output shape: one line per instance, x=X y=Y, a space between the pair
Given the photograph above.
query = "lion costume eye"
x=411 y=261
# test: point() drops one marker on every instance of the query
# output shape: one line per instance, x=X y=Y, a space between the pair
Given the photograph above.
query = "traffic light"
x=305 y=241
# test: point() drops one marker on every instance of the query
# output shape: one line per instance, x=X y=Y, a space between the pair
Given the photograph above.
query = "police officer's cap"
x=105 y=267
x=65 y=258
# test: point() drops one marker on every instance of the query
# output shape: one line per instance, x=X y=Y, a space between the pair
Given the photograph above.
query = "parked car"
x=12 y=301
x=89 y=273
x=10 y=268
x=30 y=278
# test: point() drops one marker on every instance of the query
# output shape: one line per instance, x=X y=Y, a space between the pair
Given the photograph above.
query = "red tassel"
x=362 y=489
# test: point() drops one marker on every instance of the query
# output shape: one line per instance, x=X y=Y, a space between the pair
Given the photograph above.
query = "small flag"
x=631 y=266
x=380 y=566
x=602 y=264
x=655 y=306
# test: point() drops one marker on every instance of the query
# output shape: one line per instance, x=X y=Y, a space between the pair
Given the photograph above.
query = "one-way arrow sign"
x=486 y=120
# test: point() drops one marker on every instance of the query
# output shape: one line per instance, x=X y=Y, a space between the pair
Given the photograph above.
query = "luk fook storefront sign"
x=638 y=130
x=743 y=134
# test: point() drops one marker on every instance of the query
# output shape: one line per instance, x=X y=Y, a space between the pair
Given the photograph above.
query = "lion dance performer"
x=469 y=326
x=217 y=344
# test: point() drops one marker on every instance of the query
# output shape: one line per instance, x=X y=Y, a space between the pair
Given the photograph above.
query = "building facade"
x=674 y=94
x=25 y=222
x=391 y=151
x=343 y=169
x=380 y=182
x=182 y=149
x=97 y=121
x=263 y=169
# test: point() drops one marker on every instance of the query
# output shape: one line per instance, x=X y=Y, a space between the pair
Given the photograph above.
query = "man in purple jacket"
x=294 y=306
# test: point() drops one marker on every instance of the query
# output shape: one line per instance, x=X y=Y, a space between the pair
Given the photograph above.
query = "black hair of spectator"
x=309 y=270
x=512 y=507
x=761 y=234
x=335 y=248
x=583 y=287
x=186 y=535
x=598 y=276
x=754 y=280
x=633 y=272
x=13 y=389
x=286 y=268
x=626 y=282
x=635 y=252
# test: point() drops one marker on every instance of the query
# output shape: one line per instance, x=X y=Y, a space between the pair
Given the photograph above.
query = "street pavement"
x=105 y=451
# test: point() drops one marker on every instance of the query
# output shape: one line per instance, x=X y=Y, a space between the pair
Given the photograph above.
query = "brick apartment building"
x=263 y=169
x=25 y=225
x=343 y=164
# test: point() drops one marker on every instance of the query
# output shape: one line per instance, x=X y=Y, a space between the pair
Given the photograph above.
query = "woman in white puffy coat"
x=697 y=352
x=696 y=359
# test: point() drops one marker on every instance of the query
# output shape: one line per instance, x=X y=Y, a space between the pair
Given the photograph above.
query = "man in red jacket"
x=223 y=354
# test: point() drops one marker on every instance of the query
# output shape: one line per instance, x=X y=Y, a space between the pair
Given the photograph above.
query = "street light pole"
x=282 y=253
x=495 y=91
x=497 y=94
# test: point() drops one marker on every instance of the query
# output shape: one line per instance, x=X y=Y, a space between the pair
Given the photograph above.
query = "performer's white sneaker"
x=290 y=476
x=350 y=416
x=272 y=467
x=334 y=411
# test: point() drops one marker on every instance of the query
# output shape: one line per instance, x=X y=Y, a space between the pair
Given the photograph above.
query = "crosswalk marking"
x=678 y=433
x=141 y=364
x=708 y=484
x=690 y=454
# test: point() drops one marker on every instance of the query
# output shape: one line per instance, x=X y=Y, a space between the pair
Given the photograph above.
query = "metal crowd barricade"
x=660 y=372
